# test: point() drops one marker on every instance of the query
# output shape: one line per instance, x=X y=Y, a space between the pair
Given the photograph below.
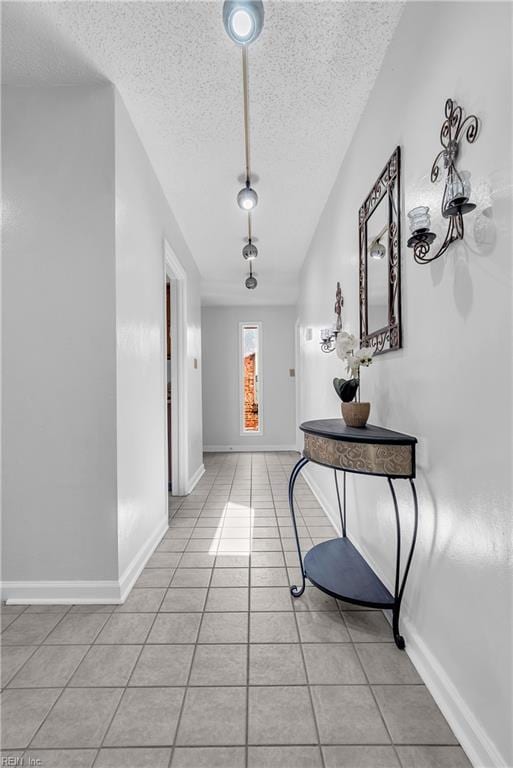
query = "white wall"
x=59 y=352
x=143 y=220
x=84 y=457
x=451 y=384
x=221 y=397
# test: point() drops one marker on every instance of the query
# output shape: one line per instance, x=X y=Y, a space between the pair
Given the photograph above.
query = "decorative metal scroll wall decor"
x=380 y=261
x=329 y=335
x=455 y=201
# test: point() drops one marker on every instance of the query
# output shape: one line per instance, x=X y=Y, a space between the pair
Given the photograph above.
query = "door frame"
x=297 y=361
x=173 y=269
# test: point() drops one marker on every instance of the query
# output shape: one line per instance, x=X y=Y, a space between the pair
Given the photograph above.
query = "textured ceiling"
x=179 y=75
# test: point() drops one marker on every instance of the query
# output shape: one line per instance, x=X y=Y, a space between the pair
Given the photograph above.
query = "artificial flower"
x=346 y=342
x=364 y=356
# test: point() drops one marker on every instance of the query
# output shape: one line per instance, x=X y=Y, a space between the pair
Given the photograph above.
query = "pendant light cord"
x=245 y=85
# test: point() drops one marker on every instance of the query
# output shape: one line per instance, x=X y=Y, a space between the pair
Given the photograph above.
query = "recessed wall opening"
x=250 y=378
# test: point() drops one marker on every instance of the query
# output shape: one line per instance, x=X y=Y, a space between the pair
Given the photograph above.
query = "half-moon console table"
x=335 y=566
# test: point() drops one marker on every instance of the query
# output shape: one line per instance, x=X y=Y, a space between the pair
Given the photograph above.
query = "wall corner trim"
x=136 y=565
x=473 y=739
x=194 y=480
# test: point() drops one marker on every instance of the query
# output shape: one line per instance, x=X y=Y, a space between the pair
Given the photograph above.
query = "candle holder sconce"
x=456 y=198
x=329 y=335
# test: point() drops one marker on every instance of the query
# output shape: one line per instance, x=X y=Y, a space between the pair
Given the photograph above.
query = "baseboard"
x=194 y=480
x=473 y=739
x=480 y=750
x=81 y=592
x=60 y=592
x=246 y=448
x=136 y=565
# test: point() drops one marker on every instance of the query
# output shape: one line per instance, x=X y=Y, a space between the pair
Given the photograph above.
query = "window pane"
x=250 y=355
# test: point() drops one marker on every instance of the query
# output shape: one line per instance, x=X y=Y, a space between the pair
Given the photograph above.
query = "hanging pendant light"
x=243 y=20
x=251 y=281
x=250 y=251
x=247 y=198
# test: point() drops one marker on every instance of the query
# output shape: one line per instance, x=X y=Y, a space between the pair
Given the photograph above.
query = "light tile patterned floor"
x=210 y=663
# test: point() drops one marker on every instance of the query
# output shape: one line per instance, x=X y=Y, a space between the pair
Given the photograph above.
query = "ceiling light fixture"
x=251 y=281
x=250 y=251
x=243 y=20
x=247 y=197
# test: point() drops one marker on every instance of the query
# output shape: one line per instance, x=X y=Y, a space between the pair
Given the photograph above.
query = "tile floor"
x=210 y=663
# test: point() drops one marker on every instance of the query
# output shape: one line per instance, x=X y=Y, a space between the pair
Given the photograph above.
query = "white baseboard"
x=60 y=592
x=480 y=750
x=82 y=592
x=134 y=568
x=473 y=739
x=246 y=448
x=194 y=480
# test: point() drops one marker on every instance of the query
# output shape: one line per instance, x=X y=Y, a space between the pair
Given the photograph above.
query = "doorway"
x=174 y=355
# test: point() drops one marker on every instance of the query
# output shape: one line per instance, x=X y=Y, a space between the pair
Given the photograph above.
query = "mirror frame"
x=388 y=184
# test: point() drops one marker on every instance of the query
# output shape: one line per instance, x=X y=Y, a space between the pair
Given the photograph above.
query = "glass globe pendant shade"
x=250 y=251
x=251 y=282
x=247 y=198
x=243 y=20
x=377 y=250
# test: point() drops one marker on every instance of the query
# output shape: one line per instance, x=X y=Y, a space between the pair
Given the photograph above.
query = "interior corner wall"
x=451 y=384
x=84 y=494
x=221 y=378
x=143 y=221
x=59 y=340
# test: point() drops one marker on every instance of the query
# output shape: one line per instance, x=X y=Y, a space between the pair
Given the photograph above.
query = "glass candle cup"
x=419 y=218
x=458 y=188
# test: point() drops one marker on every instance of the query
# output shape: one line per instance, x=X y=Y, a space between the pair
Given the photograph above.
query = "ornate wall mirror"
x=380 y=261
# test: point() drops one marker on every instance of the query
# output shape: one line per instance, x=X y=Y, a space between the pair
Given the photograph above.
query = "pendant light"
x=243 y=20
x=251 y=281
x=247 y=197
x=250 y=251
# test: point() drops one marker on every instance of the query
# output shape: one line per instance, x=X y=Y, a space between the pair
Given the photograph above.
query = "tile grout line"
x=65 y=687
x=187 y=684
x=308 y=687
x=246 y=748
x=126 y=686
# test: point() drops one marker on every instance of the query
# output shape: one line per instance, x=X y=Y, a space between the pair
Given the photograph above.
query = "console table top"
x=336 y=429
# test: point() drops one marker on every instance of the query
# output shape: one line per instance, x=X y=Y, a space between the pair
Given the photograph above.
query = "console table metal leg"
x=295 y=590
x=401 y=583
x=341 y=508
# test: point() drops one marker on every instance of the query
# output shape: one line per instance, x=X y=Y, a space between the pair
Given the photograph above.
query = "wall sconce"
x=329 y=335
x=455 y=201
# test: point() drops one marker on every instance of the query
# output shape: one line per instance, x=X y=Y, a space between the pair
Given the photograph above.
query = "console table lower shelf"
x=337 y=568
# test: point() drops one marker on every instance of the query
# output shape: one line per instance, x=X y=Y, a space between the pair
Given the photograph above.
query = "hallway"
x=210 y=663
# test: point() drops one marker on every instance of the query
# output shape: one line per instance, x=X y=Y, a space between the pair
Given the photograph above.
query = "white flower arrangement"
x=354 y=356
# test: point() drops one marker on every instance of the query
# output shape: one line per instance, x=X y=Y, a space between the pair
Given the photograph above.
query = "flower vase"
x=355 y=414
